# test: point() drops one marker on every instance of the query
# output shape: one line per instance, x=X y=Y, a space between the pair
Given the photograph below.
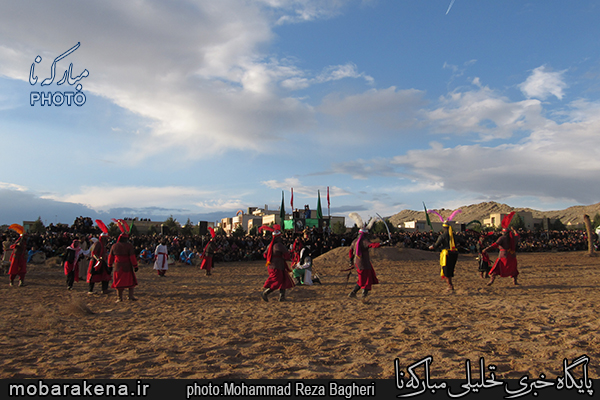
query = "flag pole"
x=328 y=205
x=427 y=217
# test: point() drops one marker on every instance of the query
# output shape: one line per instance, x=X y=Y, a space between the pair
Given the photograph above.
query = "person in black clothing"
x=448 y=256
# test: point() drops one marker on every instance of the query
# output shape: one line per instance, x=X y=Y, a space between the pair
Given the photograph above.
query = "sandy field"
x=190 y=326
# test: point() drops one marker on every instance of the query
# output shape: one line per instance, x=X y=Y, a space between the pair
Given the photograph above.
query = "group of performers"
x=279 y=272
x=120 y=263
x=505 y=264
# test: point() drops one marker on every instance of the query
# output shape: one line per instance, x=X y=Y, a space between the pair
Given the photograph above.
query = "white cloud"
x=373 y=102
x=299 y=80
x=197 y=72
x=309 y=191
x=458 y=71
x=365 y=169
x=541 y=84
x=306 y=10
x=485 y=113
x=552 y=160
x=222 y=204
x=337 y=72
x=12 y=186
x=103 y=198
x=558 y=161
x=374 y=115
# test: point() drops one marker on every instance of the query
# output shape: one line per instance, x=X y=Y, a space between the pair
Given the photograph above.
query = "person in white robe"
x=161 y=258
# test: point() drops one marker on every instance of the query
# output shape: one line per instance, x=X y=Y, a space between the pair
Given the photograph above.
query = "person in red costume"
x=98 y=267
x=123 y=262
x=506 y=263
x=18 y=258
x=279 y=272
x=359 y=258
x=72 y=255
x=296 y=249
x=209 y=253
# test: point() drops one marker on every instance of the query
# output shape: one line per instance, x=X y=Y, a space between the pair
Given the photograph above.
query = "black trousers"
x=70 y=279
x=104 y=286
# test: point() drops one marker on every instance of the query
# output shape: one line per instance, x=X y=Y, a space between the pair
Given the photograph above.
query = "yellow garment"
x=443 y=256
x=452 y=246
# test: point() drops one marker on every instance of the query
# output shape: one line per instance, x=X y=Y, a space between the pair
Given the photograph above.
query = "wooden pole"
x=590 y=235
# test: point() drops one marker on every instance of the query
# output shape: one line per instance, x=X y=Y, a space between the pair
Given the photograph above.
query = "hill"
x=483 y=210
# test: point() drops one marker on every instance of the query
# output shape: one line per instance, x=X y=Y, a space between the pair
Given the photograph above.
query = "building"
x=27 y=225
x=143 y=227
x=495 y=220
x=529 y=222
x=246 y=220
x=227 y=225
x=256 y=217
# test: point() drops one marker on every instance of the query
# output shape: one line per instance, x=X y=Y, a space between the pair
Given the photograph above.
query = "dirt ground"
x=191 y=326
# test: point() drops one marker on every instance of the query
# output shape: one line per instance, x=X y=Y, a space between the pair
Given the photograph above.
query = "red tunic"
x=506 y=263
x=123 y=261
x=207 y=256
x=279 y=277
x=364 y=268
x=18 y=259
x=98 y=252
x=73 y=266
x=296 y=249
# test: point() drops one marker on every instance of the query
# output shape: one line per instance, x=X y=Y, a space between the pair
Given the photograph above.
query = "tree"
x=596 y=221
x=378 y=227
x=253 y=231
x=338 y=228
x=113 y=229
x=171 y=225
x=37 y=226
x=517 y=222
x=557 y=226
x=152 y=230
x=239 y=232
x=133 y=230
x=187 y=229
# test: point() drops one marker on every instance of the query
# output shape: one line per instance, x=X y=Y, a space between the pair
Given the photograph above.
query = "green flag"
x=427 y=216
x=282 y=212
x=319 y=211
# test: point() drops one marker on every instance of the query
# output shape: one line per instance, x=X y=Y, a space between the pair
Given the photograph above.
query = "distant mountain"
x=482 y=211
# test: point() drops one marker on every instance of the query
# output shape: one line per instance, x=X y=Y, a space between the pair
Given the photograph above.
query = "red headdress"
x=17 y=228
x=102 y=227
x=506 y=220
x=275 y=231
x=213 y=235
x=123 y=227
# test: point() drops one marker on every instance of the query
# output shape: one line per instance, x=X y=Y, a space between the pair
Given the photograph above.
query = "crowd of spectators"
x=56 y=238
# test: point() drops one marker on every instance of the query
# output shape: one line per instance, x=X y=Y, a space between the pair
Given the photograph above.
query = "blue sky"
x=202 y=108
